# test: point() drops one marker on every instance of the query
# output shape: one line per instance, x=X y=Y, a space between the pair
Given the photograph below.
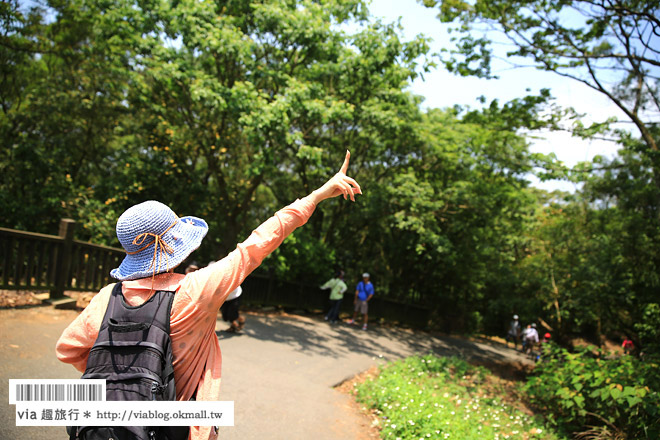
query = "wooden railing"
x=31 y=261
x=91 y=265
x=54 y=263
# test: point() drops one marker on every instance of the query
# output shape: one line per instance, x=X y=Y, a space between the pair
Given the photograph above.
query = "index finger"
x=344 y=167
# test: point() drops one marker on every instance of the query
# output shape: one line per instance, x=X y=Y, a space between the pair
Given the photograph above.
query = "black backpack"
x=133 y=352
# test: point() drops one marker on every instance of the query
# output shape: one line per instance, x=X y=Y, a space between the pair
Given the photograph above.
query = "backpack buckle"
x=156 y=389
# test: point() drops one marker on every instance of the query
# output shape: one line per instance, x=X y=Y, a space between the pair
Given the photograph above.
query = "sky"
x=442 y=89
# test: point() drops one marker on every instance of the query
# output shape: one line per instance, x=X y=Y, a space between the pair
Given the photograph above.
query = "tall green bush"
x=587 y=391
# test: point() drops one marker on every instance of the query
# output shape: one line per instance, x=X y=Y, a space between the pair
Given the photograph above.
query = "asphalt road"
x=280 y=372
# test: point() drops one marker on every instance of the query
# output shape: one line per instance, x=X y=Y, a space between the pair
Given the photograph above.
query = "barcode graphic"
x=29 y=393
x=64 y=390
x=53 y=392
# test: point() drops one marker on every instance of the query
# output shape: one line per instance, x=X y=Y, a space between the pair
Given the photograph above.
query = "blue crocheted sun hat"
x=155 y=240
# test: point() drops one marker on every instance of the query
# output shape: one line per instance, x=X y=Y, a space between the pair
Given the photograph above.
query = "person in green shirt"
x=337 y=288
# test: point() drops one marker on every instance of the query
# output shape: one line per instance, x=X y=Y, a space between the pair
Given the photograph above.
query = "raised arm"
x=339 y=184
x=214 y=282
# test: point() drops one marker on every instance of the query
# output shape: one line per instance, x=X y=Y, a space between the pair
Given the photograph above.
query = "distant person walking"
x=230 y=311
x=364 y=291
x=543 y=344
x=192 y=267
x=628 y=345
x=514 y=332
x=530 y=338
x=337 y=288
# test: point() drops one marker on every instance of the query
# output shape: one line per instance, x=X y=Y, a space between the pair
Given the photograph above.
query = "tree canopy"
x=609 y=46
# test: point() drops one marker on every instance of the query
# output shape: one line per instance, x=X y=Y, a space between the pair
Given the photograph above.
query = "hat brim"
x=184 y=238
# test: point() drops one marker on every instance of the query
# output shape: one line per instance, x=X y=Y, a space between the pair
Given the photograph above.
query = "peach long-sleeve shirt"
x=199 y=295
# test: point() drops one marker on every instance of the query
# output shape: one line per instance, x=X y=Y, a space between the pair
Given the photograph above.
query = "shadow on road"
x=313 y=336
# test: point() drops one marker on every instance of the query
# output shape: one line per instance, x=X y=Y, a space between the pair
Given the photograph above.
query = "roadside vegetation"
x=597 y=395
x=583 y=395
x=446 y=397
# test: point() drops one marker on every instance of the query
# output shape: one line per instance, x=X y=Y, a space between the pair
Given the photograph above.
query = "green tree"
x=64 y=97
x=628 y=201
x=446 y=229
x=227 y=110
x=256 y=99
x=592 y=260
x=610 y=46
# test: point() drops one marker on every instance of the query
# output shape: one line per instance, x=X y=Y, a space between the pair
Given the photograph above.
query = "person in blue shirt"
x=363 y=293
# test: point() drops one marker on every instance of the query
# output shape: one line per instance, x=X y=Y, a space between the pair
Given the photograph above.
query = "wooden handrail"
x=98 y=246
x=30 y=235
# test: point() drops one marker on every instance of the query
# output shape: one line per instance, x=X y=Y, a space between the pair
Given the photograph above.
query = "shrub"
x=649 y=330
x=583 y=391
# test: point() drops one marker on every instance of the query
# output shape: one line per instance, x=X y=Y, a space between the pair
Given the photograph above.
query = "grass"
x=444 y=398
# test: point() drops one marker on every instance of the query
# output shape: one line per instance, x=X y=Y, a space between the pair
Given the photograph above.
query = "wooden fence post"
x=269 y=292
x=63 y=263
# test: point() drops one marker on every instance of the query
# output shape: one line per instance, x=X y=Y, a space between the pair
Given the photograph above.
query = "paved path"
x=279 y=372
